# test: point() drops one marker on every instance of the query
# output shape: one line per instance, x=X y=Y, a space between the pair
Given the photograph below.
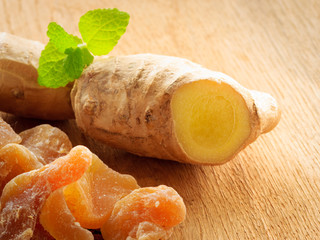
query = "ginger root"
x=149 y=105
x=20 y=93
x=169 y=108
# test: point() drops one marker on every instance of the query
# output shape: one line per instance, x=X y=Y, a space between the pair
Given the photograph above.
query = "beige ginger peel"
x=150 y=105
x=169 y=108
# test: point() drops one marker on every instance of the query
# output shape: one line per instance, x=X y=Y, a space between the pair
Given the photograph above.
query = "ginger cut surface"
x=170 y=108
x=211 y=120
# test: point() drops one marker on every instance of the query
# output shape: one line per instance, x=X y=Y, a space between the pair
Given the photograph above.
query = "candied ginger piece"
x=57 y=219
x=92 y=197
x=149 y=231
x=145 y=213
x=7 y=135
x=14 y=160
x=40 y=233
x=23 y=197
x=46 y=142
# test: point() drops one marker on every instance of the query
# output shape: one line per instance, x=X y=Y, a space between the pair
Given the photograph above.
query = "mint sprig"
x=65 y=56
x=102 y=28
x=51 y=72
x=60 y=38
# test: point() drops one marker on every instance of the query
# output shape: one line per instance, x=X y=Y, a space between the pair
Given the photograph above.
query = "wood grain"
x=271 y=190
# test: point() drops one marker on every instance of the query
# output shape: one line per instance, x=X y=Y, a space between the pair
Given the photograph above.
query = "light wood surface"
x=271 y=190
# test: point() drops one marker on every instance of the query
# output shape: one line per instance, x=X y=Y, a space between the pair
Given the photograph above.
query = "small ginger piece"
x=46 y=142
x=7 y=134
x=23 y=197
x=14 y=160
x=169 y=108
x=92 y=198
x=57 y=219
x=146 y=213
x=20 y=93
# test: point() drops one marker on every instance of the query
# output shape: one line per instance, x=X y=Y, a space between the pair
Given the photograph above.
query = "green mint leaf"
x=102 y=28
x=87 y=56
x=51 y=72
x=77 y=59
x=73 y=63
x=65 y=56
x=61 y=39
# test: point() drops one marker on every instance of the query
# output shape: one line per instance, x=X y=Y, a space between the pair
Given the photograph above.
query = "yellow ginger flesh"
x=211 y=120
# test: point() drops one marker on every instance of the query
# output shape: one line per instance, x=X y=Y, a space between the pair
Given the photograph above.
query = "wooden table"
x=271 y=190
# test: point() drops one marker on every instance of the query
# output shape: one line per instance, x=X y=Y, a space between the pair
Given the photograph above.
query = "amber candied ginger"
x=146 y=213
x=46 y=142
x=50 y=190
x=7 y=134
x=14 y=160
x=24 y=196
x=57 y=219
x=39 y=145
x=40 y=233
x=92 y=197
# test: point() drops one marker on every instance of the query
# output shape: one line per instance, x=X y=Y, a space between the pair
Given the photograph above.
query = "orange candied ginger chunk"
x=57 y=219
x=92 y=198
x=46 y=142
x=146 y=213
x=24 y=196
x=7 y=135
x=14 y=160
x=40 y=233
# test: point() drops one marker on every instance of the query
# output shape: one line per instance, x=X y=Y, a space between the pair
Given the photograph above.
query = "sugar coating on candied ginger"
x=7 y=134
x=92 y=198
x=145 y=213
x=24 y=195
x=14 y=160
x=40 y=233
x=57 y=219
x=46 y=142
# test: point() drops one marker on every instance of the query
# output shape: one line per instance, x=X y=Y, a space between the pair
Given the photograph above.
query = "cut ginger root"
x=23 y=197
x=150 y=105
x=169 y=108
x=146 y=213
x=57 y=219
x=92 y=198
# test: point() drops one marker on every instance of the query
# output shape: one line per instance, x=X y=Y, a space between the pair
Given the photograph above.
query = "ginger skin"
x=20 y=93
x=149 y=105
